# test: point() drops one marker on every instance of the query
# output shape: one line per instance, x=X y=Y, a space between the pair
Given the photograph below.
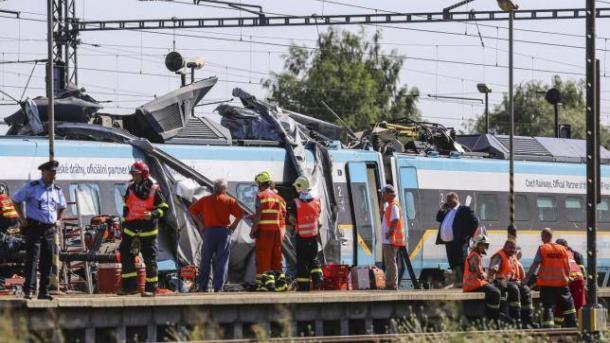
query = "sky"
x=126 y=68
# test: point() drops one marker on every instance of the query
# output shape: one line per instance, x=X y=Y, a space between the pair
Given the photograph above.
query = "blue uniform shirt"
x=41 y=202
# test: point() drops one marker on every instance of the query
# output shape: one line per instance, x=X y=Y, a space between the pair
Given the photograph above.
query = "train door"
x=364 y=200
x=407 y=194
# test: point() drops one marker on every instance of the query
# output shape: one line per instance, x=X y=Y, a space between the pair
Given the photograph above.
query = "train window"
x=603 y=212
x=521 y=208
x=246 y=193
x=88 y=198
x=546 y=209
x=410 y=204
x=118 y=192
x=575 y=209
x=487 y=207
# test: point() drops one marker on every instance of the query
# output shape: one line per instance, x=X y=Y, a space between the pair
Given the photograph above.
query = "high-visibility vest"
x=520 y=275
x=575 y=271
x=8 y=208
x=472 y=281
x=308 y=213
x=507 y=267
x=273 y=209
x=137 y=207
x=554 y=266
x=397 y=238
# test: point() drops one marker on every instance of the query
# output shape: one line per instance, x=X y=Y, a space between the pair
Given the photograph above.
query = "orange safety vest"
x=273 y=210
x=520 y=272
x=575 y=271
x=398 y=236
x=507 y=267
x=554 y=266
x=138 y=206
x=308 y=213
x=471 y=281
x=8 y=208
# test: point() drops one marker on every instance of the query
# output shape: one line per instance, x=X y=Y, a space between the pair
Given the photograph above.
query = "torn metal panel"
x=164 y=117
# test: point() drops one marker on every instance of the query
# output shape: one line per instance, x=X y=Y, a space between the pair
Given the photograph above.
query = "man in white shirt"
x=457 y=225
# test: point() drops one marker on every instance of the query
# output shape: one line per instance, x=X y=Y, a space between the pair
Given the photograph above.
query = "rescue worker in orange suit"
x=552 y=269
x=505 y=273
x=392 y=235
x=144 y=206
x=268 y=232
x=577 y=280
x=9 y=220
x=306 y=227
x=475 y=278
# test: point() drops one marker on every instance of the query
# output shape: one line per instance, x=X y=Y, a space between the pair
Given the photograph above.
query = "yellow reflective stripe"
x=515 y=304
x=315 y=270
x=549 y=323
x=302 y=279
x=570 y=311
x=493 y=306
x=269 y=222
x=152 y=279
x=149 y=233
x=129 y=275
x=266 y=200
x=141 y=234
x=270 y=211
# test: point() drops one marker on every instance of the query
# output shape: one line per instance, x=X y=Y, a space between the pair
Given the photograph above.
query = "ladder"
x=73 y=227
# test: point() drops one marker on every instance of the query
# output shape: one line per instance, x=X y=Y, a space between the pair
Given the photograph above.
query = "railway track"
x=495 y=336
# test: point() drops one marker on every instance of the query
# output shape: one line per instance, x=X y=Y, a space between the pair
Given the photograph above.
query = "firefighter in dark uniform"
x=306 y=228
x=552 y=269
x=44 y=204
x=9 y=220
x=516 y=298
x=144 y=205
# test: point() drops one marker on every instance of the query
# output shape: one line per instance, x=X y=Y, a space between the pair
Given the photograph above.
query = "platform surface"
x=236 y=298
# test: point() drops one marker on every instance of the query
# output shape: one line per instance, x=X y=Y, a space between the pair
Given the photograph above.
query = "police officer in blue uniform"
x=44 y=206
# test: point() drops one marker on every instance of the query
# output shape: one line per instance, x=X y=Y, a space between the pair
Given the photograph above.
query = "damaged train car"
x=186 y=153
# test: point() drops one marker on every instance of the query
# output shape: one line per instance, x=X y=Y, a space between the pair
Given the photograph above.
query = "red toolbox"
x=336 y=277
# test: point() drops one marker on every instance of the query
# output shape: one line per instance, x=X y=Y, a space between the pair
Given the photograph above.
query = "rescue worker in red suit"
x=505 y=273
x=268 y=232
x=577 y=280
x=9 y=220
x=552 y=269
x=475 y=278
x=306 y=227
x=144 y=205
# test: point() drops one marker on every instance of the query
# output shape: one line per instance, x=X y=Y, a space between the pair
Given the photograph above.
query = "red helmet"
x=141 y=168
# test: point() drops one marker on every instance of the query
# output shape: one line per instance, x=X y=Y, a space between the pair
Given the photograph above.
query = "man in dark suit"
x=457 y=225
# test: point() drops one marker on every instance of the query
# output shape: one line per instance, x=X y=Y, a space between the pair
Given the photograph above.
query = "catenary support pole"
x=511 y=173
x=486 y=112
x=49 y=80
x=593 y=316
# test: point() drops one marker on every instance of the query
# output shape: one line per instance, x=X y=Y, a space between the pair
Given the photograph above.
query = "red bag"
x=377 y=278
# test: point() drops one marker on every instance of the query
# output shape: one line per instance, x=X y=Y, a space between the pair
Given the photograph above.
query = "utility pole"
x=65 y=35
x=50 y=80
x=593 y=316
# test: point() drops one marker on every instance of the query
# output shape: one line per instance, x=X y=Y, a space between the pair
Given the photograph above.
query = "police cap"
x=49 y=165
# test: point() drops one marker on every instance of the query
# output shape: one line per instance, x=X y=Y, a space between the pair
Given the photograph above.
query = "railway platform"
x=236 y=315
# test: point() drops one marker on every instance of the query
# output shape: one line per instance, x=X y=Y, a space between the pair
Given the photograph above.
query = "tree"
x=351 y=74
x=534 y=116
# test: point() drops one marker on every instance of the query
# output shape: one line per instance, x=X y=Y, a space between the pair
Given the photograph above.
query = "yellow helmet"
x=263 y=177
x=301 y=184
